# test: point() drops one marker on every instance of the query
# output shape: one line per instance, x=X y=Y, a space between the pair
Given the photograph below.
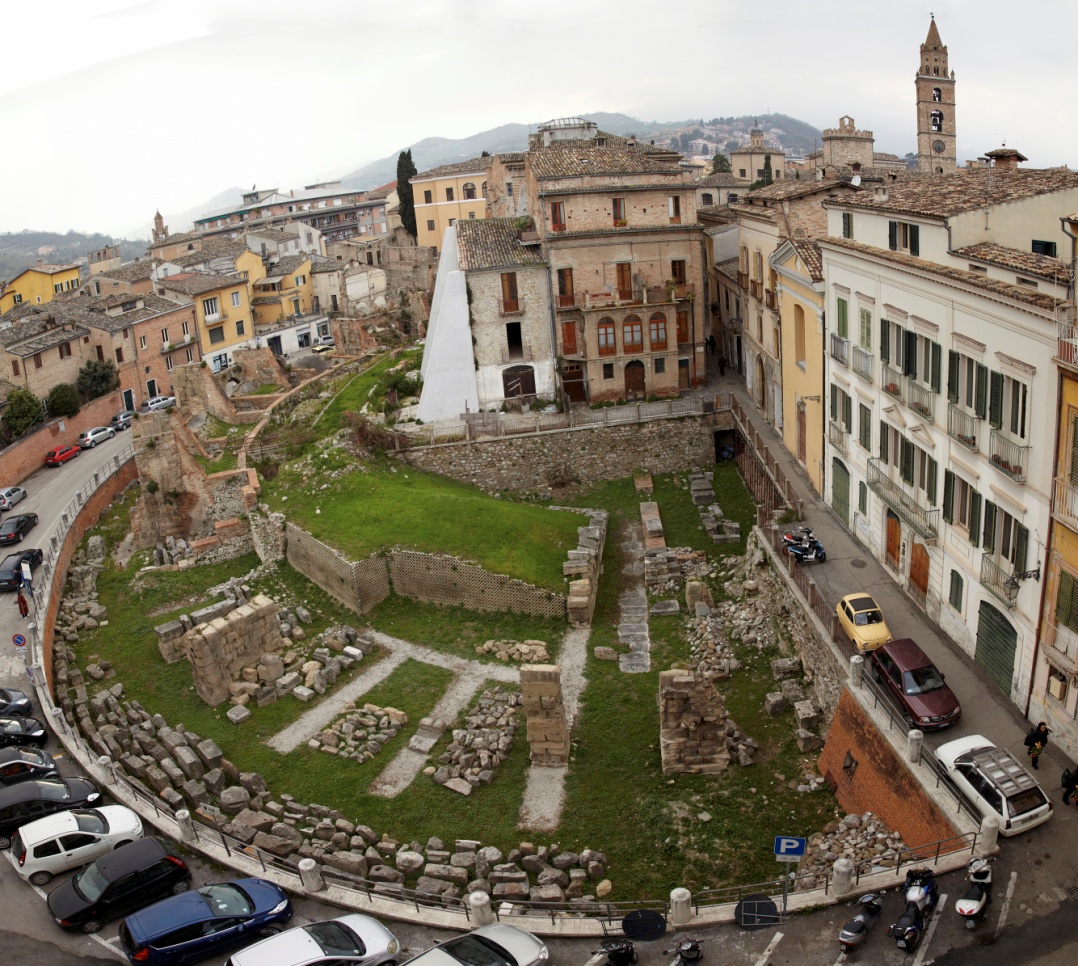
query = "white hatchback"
x=66 y=840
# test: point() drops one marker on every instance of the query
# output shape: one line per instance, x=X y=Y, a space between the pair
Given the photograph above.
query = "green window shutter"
x=1021 y=547
x=989 y=527
x=907 y=466
x=915 y=240
x=948 y=496
x=909 y=363
x=995 y=401
x=892 y=235
x=954 y=360
x=884 y=435
x=1066 y=602
x=930 y=490
x=937 y=354
x=956 y=590
x=847 y=411
x=865 y=416
x=974 y=516
x=843 y=319
x=847 y=225
x=834 y=403
x=980 y=399
x=885 y=341
x=1074 y=451
x=866 y=330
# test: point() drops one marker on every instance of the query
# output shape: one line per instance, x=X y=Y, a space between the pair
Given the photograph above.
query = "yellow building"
x=287 y=290
x=749 y=162
x=34 y=286
x=222 y=312
x=447 y=194
x=801 y=298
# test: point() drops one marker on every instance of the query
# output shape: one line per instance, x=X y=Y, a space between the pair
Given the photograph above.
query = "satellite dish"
x=855 y=180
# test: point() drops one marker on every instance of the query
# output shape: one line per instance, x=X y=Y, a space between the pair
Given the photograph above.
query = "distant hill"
x=182 y=221
x=22 y=250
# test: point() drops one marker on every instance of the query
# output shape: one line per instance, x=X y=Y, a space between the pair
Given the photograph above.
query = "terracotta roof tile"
x=489 y=243
x=787 y=188
x=809 y=253
x=212 y=248
x=576 y=159
x=474 y=166
x=132 y=271
x=721 y=179
x=1028 y=263
x=192 y=285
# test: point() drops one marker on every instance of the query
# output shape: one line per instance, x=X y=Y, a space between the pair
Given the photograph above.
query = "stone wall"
x=326 y=567
x=548 y=729
x=535 y=464
x=692 y=724
x=198 y=391
x=867 y=774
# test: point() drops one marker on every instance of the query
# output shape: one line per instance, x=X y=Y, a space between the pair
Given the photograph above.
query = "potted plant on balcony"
x=621 y=222
x=671 y=288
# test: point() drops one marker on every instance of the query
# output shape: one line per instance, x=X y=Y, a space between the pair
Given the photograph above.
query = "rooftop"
x=475 y=166
x=577 y=159
x=785 y=189
x=201 y=283
x=1028 y=263
x=809 y=253
x=721 y=179
x=489 y=243
x=212 y=248
x=136 y=271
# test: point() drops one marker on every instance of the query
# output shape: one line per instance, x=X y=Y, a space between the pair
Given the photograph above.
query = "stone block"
x=234 y=799
x=785 y=667
x=807 y=741
x=304 y=694
x=447 y=873
x=458 y=785
x=287 y=682
x=275 y=844
x=189 y=763
x=808 y=717
x=258 y=821
x=238 y=714
x=209 y=752
x=664 y=607
x=196 y=793
x=775 y=703
x=350 y=862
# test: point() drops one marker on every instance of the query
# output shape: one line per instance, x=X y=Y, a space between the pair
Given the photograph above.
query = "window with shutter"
x=989 y=526
x=885 y=340
x=974 y=517
x=847 y=224
x=883 y=442
x=953 y=362
x=865 y=426
x=955 y=597
x=915 y=240
x=892 y=235
x=866 y=330
x=909 y=367
x=834 y=403
x=995 y=401
x=1074 y=451
x=980 y=402
x=936 y=360
x=906 y=456
x=847 y=409
x=930 y=490
x=1021 y=547
x=843 y=321
x=1067 y=601
x=948 y=496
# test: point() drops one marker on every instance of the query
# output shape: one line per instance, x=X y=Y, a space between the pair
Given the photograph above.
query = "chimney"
x=1005 y=158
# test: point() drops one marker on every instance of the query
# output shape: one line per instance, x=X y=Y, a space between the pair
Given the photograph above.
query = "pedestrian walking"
x=722 y=364
x=711 y=343
x=1036 y=741
x=24 y=608
x=1069 y=783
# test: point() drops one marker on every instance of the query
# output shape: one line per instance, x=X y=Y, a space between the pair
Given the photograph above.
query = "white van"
x=66 y=840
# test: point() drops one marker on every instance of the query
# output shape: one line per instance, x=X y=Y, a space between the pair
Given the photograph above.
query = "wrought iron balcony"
x=862 y=363
x=1060 y=646
x=839 y=438
x=1065 y=505
x=962 y=426
x=920 y=400
x=1067 y=341
x=892 y=381
x=1007 y=456
x=840 y=349
x=999 y=581
x=922 y=519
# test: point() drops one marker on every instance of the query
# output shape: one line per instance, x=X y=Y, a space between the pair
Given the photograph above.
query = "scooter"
x=973 y=906
x=797 y=538
x=922 y=897
x=856 y=929
x=618 y=952
x=688 y=952
x=809 y=552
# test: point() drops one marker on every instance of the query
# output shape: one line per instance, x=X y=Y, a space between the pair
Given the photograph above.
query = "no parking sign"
x=19 y=641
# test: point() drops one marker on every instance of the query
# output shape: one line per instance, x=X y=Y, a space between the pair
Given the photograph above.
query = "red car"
x=60 y=454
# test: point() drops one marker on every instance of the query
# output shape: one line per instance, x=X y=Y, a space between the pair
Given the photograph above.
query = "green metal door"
x=840 y=490
x=997 y=642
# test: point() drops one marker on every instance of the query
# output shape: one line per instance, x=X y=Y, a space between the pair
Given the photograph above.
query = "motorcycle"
x=856 y=929
x=618 y=952
x=922 y=897
x=808 y=552
x=973 y=906
x=797 y=538
x=688 y=952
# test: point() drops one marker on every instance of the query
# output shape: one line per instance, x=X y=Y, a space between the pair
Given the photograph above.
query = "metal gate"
x=997 y=641
x=840 y=490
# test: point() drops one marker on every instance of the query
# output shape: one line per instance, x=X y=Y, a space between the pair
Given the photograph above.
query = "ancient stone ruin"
x=696 y=735
x=548 y=727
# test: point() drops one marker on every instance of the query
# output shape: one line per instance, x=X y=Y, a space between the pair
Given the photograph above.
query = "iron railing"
x=862 y=363
x=1008 y=457
x=999 y=581
x=1060 y=646
x=840 y=349
x=838 y=437
x=891 y=381
x=922 y=519
x=920 y=399
x=962 y=426
x=1065 y=505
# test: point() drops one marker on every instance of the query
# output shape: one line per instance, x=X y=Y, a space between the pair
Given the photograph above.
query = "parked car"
x=14 y=703
x=61 y=454
x=19 y=764
x=10 y=495
x=30 y=800
x=14 y=529
x=119 y=883
x=913 y=681
x=157 y=402
x=200 y=924
x=995 y=783
x=56 y=843
x=862 y=622
x=89 y=438
x=11 y=567
x=494 y=945
x=348 y=939
x=21 y=732
x=122 y=421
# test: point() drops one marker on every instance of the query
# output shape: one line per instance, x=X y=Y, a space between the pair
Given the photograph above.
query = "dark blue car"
x=191 y=927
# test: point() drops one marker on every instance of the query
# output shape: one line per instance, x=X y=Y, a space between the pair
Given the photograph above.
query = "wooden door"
x=573 y=381
x=509 y=292
x=802 y=431
x=568 y=338
x=566 y=292
x=625 y=280
x=894 y=539
x=634 y=379
x=919 y=570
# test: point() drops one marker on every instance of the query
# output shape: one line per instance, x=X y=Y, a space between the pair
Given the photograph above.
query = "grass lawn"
x=389 y=505
x=357 y=392
x=226 y=461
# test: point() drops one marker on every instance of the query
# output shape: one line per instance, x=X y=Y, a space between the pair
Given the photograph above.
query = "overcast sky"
x=112 y=109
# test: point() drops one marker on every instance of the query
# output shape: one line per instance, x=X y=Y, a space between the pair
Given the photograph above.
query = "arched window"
x=936 y=120
x=632 y=331
x=607 y=339
x=469 y=191
x=657 y=331
x=937 y=94
x=936 y=71
x=707 y=199
x=799 y=335
x=484 y=189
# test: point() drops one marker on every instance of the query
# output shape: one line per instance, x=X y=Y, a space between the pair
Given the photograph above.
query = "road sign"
x=18 y=640
x=789 y=848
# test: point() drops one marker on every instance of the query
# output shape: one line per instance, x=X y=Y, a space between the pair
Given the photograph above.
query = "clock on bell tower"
x=936 y=148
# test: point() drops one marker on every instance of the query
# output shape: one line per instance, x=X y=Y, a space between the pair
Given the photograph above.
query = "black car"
x=11 y=567
x=14 y=529
x=14 y=703
x=22 y=764
x=22 y=731
x=133 y=876
x=38 y=797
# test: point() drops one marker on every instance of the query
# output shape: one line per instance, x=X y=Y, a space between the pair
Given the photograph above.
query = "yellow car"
x=862 y=622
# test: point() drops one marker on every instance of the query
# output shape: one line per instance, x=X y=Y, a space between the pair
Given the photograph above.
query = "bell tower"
x=937 y=151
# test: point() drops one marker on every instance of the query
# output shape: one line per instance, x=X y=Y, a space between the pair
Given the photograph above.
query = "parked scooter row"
x=620 y=951
x=803 y=544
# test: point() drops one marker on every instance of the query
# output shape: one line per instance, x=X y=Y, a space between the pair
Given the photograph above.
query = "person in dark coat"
x=1036 y=741
x=1069 y=785
x=711 y=343
x=24 y=607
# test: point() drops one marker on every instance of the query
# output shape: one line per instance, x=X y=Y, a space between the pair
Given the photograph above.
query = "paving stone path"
x=633 y=608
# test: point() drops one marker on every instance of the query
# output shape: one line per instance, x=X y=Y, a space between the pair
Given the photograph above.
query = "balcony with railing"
x=568 y=302
x=756 y=288
x=770 y=299
x=999 y=581
x=921 y=400
x=1065 y=504
x=892 y=381
x=862 y=363
x=1008 y=456
x=924 y=520
x=840 y=349
x=743 y=279
x=1060 y=646
x=609 y=349
x=962 y=426
x=839 y=438
x=1067 y=341
x=511 y=306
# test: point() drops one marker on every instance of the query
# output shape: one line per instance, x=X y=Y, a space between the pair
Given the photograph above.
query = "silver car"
x=348 y=939
x=89 y=438
x=10 y=495
x=494 y=945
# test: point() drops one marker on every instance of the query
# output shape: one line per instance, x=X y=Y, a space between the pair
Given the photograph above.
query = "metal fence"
x=760 y=471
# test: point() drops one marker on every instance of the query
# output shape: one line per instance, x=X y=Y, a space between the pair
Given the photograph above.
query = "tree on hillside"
x=406 y=170
x=720 y=164
x=63 y=400
x=23 y=411
x=768 y=177
x=95 y=379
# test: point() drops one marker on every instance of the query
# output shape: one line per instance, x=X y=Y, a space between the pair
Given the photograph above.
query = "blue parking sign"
x=789 y=848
